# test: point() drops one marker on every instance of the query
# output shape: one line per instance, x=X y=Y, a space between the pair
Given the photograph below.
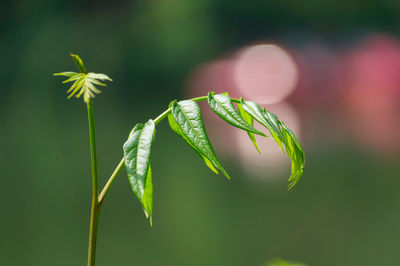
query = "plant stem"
x=157 y=120
x=95 y=208
x=110 y=181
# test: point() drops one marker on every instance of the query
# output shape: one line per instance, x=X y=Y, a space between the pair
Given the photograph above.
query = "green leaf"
x=99 y=76
x=74 y=77
x=66 y=74
x=295 y=153
x=276 y=129
x=85 y=84
x=254 y=110
x=137 y=151
x=282 y=135
x=175 y=127
x=246 y=117
x=222 y=105
x=186 y=120
x=79 y=63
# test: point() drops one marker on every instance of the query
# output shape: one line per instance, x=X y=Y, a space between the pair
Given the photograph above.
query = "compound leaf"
x=186 y=120
x=246 y=117
x=137 y=151
x=222 y=105
x=83 y=82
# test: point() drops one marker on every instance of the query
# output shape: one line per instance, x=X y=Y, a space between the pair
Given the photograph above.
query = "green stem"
x=110 y=181
x=95 y=208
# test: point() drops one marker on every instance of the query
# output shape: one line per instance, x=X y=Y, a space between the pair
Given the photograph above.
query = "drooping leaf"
x=282 y=135
x=137 y=151
x=186 y=120
x=222 y=105
x=175 y=127
x=255 y=111
x=246 y=117
x=274 y=123
x=295 y=153
x=148 y=196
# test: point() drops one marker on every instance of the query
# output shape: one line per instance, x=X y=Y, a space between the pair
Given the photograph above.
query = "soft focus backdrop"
x=329 y=69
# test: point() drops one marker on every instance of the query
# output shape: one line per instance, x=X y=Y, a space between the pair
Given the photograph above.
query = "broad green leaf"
x=148 y=197
x=175 y=127
x=137 y=151
x=246 y=117
x=295 y=153
x=186 y=120
x=222 y=105
x=254 y=110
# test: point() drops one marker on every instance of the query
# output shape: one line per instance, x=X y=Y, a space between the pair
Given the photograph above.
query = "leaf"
x=74 y=77
x=137 y=151
x=85 y=84
x=186 y=120
x=99 y=76
x=274 y=122
x=222 y=105
x=79 y=63
x=254 y=110
x=295 y=153
x=66 y=74
x=281 y=134
x=246 y=117
x=175 y=127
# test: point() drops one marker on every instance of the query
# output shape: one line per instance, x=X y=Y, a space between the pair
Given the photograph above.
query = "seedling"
x=185 y=119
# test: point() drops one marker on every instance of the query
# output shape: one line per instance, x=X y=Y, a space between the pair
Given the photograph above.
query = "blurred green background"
x=345 y=210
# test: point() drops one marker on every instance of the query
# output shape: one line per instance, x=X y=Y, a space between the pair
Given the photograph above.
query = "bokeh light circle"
x=266 y=73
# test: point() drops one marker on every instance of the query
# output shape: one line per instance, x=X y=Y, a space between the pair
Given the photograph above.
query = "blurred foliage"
x=344 y=212
x=281 y=262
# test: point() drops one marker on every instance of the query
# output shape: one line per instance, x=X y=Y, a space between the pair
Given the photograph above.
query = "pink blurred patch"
x=321 y=77
x=265 y=72
x=373 y=90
